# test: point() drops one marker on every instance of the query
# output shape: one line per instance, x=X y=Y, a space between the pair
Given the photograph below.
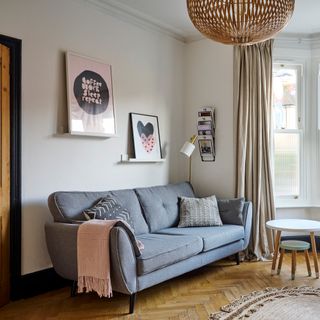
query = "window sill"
x=288 y=203
x=298 y=205
x=294 y=206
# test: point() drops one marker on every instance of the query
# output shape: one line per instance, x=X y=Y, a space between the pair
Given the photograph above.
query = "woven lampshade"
x=240 y=21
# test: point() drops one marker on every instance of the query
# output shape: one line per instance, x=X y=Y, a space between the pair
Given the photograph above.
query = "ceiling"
x=172 y=16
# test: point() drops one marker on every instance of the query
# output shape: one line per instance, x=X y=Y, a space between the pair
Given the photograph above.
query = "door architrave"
x=15 y=160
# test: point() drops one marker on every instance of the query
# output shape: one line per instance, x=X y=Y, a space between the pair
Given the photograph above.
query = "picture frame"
x=146 y=136
x=91 y=109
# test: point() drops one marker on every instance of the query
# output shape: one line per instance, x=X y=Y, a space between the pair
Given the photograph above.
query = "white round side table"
x=294 y=225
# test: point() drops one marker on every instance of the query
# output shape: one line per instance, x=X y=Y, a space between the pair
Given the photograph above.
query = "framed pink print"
x=146 y=136
x=90 y=97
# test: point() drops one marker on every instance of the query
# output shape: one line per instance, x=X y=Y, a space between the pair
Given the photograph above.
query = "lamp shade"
x=187 y=149
x=240 y=21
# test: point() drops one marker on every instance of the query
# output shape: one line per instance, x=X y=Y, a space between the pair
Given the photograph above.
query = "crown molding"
x=195 y=37
x=125 y=13
x=135 y=17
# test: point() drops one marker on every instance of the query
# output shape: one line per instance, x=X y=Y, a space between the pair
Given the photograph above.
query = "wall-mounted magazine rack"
x=206 y=133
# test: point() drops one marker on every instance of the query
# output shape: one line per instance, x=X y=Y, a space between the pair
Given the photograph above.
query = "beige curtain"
x=253 y=98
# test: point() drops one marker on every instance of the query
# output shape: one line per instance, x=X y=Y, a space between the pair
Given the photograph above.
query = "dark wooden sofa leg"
x=74 y=288
x=132 y=302
x=238 y=258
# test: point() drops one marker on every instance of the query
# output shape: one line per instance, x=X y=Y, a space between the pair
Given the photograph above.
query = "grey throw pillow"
x=108 y=209
x=231 y=211
x=199 y=212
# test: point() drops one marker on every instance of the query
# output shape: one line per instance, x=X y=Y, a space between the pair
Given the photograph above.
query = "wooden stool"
x=294 y=246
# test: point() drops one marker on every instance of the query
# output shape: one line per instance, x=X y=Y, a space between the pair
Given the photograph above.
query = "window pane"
x=286 y=164
x=285 y=110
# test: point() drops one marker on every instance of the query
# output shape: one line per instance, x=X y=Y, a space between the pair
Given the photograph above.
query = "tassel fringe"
x=101 y=286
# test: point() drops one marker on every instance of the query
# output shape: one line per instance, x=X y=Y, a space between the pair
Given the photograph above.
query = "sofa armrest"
x=123 y=262
x=247 y=220
x=61 y=241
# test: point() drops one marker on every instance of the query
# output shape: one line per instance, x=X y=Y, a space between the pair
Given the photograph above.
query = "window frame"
x=301 y=130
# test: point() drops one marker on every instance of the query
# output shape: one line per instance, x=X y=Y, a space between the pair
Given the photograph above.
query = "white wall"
x=148 y=78
x=209 y=81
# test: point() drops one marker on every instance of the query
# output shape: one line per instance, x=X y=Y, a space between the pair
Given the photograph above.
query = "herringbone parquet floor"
x=192 y=296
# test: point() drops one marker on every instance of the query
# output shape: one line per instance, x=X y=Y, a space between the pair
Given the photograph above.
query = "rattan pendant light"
x=240 y=21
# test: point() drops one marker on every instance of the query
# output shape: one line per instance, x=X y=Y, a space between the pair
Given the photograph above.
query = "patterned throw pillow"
x=199 y=212
x=108 y=209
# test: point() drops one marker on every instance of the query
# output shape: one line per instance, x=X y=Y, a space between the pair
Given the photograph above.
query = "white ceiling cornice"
x=145 y=21
x=128 y=14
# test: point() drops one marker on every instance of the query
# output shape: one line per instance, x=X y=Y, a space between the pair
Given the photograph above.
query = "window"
x=287 y=130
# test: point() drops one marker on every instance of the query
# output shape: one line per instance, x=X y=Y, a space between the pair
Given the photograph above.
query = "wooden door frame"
x=15 y=160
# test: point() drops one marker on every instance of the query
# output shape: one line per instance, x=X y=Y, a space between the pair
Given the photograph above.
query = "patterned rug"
x=274 y=303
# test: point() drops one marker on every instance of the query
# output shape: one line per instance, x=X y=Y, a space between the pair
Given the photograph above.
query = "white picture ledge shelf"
x=134 y=160
x=85 y=135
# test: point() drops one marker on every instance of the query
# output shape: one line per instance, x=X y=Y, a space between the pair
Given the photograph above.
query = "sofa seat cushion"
x=213 y=237
x=161 y=250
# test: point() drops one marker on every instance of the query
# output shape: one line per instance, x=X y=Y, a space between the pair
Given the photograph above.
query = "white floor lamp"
x=187 y=149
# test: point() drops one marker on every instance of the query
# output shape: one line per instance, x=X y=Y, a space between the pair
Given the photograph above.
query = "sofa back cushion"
x=160 y=205
x=67 y=206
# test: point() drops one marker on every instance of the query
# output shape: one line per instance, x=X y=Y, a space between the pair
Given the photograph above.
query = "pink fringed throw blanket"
x=94 y=257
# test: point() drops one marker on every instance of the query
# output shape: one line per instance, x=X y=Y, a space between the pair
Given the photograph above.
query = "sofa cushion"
x=108 y=208
x=67 y=206
x=231 y=211
x=160 y=204
x=213 y=237
x=162 y=250
x=199 y=212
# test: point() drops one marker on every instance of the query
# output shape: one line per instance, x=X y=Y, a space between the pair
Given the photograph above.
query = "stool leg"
x=314 y=253
x=306 y=254
x=276 y=251
x=294 y=263
x=280 y=261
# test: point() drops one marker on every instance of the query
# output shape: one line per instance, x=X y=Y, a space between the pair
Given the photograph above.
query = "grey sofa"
x=169 y=251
